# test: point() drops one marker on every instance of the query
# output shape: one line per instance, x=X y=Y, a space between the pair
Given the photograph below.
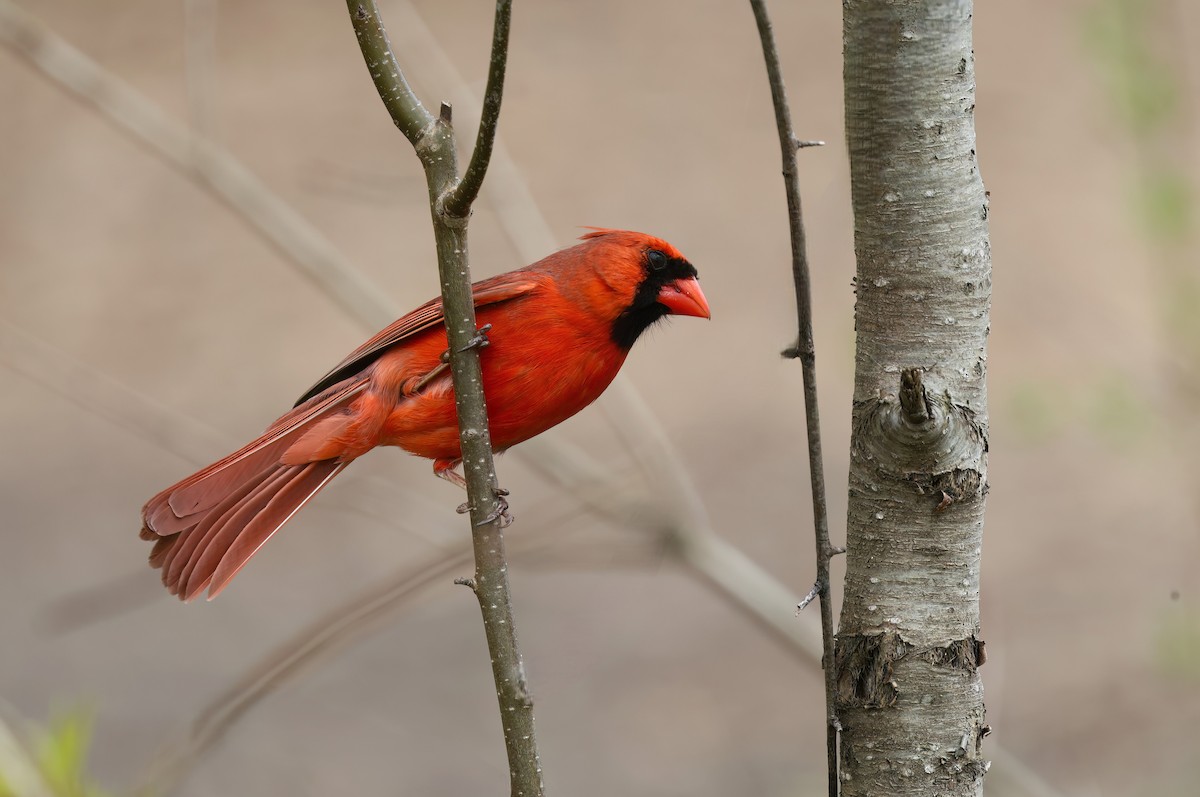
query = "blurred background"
x=148 y=326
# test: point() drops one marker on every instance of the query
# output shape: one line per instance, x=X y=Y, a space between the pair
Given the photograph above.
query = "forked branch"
x=450 y=203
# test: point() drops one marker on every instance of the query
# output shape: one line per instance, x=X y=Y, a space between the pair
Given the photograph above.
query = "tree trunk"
x=910 y=700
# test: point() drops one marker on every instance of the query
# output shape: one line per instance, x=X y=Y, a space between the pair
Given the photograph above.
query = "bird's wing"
x=501 y=288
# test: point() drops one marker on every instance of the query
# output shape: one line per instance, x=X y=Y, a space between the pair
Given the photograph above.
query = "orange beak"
x=684 y=297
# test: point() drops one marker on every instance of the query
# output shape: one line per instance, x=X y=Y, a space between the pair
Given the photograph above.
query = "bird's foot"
x=501 y=510
x=479 y=340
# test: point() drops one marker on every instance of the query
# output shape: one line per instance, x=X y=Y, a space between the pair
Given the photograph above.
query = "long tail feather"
x=181 y=505
x=210 y=554
x=192 y=544
x=221 y=534
x=291 y=496
x=208 y=526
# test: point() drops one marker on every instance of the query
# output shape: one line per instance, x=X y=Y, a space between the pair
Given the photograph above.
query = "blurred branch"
x=805 y=351
x=208 y=164
x=450 y=202
x=105 y=397
x=199 y=63
x=350 y=622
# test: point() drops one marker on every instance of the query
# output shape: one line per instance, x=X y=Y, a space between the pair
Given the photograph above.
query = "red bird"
x=560 y=330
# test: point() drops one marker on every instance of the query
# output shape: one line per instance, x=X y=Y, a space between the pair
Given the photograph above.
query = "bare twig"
x=806 y=352
x=451 y=204
x=458 y=203
x=398 y=97
x=810 y=597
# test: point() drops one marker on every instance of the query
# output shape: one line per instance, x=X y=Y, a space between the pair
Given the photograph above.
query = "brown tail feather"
x=220 y=534
x=198 y=525
x=307 y=482
x=161 y=548
x=212 y=551
x=193 y=539
x=180 y=506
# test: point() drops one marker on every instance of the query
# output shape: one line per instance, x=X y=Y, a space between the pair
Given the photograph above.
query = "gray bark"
x=910 y=700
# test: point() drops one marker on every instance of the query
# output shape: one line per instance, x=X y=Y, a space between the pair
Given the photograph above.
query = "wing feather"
x=500 y=288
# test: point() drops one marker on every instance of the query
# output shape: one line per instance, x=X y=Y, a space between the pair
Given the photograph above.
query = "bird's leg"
x=478 y=341
x=420 y=384
x=444 y=469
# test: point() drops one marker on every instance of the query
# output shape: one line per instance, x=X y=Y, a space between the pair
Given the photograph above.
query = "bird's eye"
x=656 y=259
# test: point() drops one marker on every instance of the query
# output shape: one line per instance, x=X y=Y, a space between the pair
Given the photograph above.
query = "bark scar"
x=925 y=439
x=865 y=665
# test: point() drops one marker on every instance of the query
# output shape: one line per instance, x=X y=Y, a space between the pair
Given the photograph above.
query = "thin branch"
x=398 y=97
x=434 y=145
x=505 y=190
x=458 y=203
x=788 y=144
x=810 y=597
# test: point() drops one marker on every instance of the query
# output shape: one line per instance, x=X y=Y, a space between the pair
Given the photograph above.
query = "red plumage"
x=560 y=331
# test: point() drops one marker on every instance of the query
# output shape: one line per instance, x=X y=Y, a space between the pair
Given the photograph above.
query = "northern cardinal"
x=560 y=330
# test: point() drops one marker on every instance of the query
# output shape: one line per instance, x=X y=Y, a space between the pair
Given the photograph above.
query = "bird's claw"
x=479 y=340
x=501 y=510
